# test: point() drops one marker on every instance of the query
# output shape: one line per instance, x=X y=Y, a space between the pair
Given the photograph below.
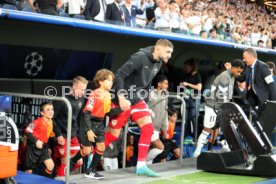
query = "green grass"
x=209 y=178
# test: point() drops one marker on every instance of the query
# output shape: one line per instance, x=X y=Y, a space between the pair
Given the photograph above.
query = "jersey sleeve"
x=29 y=132
x=89 y=106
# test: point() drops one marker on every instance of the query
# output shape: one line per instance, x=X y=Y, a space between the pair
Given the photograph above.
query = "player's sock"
x=61 y=170
x=78 y=156
x=152 y=154
x=200 y=143
x=109 y=138
x=144 y=143
x=96 y=159
x=48 y=173
x=76 y=166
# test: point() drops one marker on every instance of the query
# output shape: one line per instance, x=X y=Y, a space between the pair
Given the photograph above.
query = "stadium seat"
x=28 y=9
x=79 y=17
x=9 y=7
x=62 y=14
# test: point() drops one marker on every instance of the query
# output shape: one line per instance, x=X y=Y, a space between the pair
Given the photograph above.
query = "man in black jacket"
x=260 y=83
x=49 y=7
x=114 y=13
x=133 y=79
x=92 y=9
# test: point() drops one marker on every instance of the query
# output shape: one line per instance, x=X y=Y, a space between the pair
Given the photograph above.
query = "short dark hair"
x=201 y=32
x=271 y=65
x=43 y=104
x=238 y=63
x=159 y=78
x=172 y=111
x=192 y=63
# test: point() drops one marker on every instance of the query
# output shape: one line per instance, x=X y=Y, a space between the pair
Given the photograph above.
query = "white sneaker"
x=94 y=175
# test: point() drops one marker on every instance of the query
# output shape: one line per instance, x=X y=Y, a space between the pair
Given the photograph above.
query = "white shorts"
x=110 y=164
x=155 y=135
x=209 y=117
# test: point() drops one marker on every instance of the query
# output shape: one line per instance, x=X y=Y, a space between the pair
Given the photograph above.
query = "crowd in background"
x=233 y=20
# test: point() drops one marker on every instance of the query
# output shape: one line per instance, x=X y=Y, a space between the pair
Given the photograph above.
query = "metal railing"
x=69 y=125
x=69 y=122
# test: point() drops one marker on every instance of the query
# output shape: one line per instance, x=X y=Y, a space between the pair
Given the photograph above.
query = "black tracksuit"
x=139 y=70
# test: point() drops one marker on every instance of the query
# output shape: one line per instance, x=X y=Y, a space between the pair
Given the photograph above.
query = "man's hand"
x=124 y=103
x=91 y=136
x=39 y=144
x=166 y=136
x=60 y=140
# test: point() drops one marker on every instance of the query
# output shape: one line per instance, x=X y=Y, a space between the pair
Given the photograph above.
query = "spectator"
x=203 y=34
x=141 y=20
x=162 y=16
x=130 y=152
x=260 y=43
x=212 y=34
x=114 y=13
x=50 y=7
x=170 y=145
x=130 y=12
x=174 y=17
x=272 y=68
x=75 y=7
x=192 y=85
x=92 y=9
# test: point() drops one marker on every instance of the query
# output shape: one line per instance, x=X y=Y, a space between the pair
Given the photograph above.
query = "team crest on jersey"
x=80 y=104
x=114 y=122
x=91 y=103
x=31 y=126
x=61 y=151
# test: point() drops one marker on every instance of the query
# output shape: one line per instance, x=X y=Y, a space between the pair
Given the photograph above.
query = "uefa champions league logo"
x=33 y=64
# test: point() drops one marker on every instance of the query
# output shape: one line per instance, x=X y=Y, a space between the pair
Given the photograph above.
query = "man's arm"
x=134 y=64
x=267 y=76
x=56 y=127
x=29 y=132
x=57 y=106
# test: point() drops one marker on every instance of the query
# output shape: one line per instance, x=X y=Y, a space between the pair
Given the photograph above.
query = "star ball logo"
x=33 y=64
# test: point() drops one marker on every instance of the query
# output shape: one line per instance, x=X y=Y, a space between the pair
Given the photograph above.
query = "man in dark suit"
x=260 y=83
x=114 y=13
x=130 y=12
x=92 y=9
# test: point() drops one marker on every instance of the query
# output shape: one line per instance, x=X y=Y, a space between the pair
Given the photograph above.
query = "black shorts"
x=170 y=146
x=97 y=128
x=35 y=156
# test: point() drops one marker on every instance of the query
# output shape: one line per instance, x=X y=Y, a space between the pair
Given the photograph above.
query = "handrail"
x=69 y=122
x=182 y=126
